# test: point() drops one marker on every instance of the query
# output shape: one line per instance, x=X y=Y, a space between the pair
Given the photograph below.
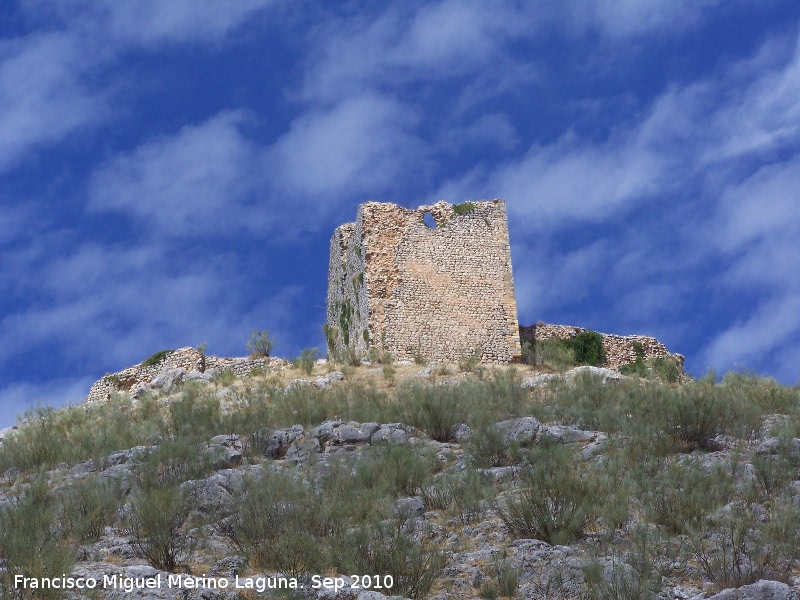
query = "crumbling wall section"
x=347 y=324
x=442 y=292
x=188 y=359
x=620 y=349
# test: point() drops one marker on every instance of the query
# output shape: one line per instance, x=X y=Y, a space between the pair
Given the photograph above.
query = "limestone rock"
x=522 y=431
x=168 y=379
x=774 y=444
x=335 y=376
x=393 y=433
x=281 y=440
x=413 y=506
x=760 y=590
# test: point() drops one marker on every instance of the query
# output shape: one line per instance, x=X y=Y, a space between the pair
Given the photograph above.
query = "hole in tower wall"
x=429 y=220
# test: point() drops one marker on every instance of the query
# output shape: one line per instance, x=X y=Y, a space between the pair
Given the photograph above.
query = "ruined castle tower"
x=441 y=289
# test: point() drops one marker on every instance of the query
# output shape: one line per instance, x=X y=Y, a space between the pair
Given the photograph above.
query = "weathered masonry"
x=435 y=281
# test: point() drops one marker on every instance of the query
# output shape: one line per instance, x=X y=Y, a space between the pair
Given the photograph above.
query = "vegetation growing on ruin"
x=585 y=348
x=157 y=358
x=464 y=208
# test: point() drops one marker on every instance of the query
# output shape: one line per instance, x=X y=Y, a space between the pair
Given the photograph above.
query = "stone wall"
x=187 y=359
x=619 y=349
x=395 y=283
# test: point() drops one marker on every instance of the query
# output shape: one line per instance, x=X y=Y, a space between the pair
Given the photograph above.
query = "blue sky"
x=171 y=171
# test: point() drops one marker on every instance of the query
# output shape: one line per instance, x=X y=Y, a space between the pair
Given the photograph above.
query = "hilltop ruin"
x=442 y=289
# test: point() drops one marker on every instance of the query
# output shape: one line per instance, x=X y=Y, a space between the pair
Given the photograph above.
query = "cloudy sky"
x=171 y=170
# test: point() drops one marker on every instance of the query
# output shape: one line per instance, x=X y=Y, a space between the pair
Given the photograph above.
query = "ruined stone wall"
x=441 y=291
x=347 y=319
x=619 y=349
x=187 y=359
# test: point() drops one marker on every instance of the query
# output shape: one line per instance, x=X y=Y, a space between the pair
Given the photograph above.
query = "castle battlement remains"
x=441 y=289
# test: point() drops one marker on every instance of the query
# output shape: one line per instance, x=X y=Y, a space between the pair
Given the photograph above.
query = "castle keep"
x=442 y=289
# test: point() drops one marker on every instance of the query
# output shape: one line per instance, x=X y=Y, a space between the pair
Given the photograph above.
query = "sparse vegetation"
x=470 y=360
x=555 y=504
x=552 y=354
x=305 y=362
x=155 y=524
x=33 y=541
x=678 y=490
x=260 y=343
x=464 y=208
x=438 y=411
x=157 y=358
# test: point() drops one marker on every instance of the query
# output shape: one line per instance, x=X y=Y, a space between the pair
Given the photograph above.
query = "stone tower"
x=441 y=289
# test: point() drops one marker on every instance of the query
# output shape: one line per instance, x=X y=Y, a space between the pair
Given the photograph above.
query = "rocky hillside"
x=425 y=481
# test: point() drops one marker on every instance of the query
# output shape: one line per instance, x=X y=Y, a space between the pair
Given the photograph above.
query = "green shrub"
x=396 y=469
x=194 y=416
x=636 y=368
x=157 y=358
x=419 y=357
x=305 y=362
x=695 y=416
x=504 y=579
x=553 y=354
x=276 y=524
x=736 y=548
x=489 y=448
x=88 y=506
x=437 y=410
x=462 y=495
x=464 y=208
x=763 y=392
x=619 y=581
x=155 y=522
x=173 y=462
x=502 y=395
x=470 y=360
x=378 y=356
x=666 y=368
x=588 y=348
x=389 y=372
x=774 y=473
x=555 y=503
x=260 y=344
x=682 y=495
x=32 y=541
x=50 y=437
x=614 y=488
x=392 y=548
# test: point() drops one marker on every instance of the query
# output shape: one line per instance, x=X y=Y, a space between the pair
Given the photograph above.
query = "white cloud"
x=106 y=307
x=360 y=145
x=199 y=180
x=442 y=40
x=439 y=41
x=759 y=229
x=763 y=206
x=626 y=18
x=149 y=22
x=210 y=178
x=766 y=338
x=55 y=82
x=42 y=97
x=570 y=180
